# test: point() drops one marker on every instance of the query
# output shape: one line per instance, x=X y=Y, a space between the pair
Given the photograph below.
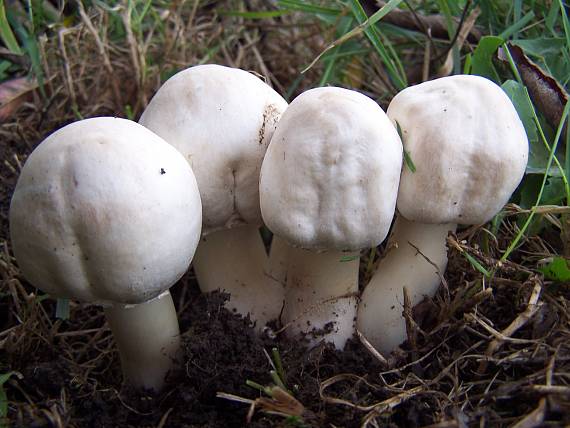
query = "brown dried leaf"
x=13 y=93
x=546 y=93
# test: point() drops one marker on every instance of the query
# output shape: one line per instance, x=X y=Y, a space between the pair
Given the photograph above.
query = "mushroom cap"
x=105 y=211
x=221 y=119
x=468 y=145
x=330 y=177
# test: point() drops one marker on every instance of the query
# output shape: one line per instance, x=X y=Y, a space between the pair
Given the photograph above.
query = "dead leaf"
x=13 y=93
x=546 y=93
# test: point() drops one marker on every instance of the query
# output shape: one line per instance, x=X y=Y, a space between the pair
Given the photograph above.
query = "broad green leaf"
x=538 y=153
x=557 y=270
x=553 y=194
x=482 y=59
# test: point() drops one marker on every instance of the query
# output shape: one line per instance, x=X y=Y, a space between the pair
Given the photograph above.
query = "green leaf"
x=62 y=309
x=389 y=57
x=6 y=33
x=408 y=161
x=345 y=259
x=407 y=158
x=482 y=60
x=256 y=15
x=517 y=26
x=478 y=266
x=557 y=270
x=538 y=153
x=303 y=6
x=553 y=194
x=552 y=17
x=4 y=398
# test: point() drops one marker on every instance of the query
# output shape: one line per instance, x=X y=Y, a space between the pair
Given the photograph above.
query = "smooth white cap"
x=105 y=211
x=221 y=119
x=330 y=177
x=468 y=145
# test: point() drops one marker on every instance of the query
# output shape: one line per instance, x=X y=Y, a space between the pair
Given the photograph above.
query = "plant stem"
x=416 y=257
x=320 y=297
x=148 y=339
x=233 y=261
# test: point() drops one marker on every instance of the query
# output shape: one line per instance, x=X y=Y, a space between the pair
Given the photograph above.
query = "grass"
x=475 y=346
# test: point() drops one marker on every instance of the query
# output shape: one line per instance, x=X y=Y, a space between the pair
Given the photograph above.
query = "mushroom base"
x=320 y=297
x=414 y=251
x=148 y=339
x=233 y=261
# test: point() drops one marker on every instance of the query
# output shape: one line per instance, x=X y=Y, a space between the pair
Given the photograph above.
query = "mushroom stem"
x=148 y=339
x=380 y=317
x=320 y=297
x=277 y=261
x=233 y=261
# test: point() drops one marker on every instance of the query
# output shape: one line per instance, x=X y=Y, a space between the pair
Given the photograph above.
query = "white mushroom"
x=222 y=119
x=328 y=187
x=107 y=212
x=470 y=151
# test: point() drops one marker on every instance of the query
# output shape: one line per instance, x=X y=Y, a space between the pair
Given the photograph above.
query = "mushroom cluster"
x=113 y=212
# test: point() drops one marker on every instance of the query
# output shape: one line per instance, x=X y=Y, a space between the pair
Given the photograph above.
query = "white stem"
x=277 y=262
x=233 y=261
x=320 y=297
x=380 y=317
x=148 y=339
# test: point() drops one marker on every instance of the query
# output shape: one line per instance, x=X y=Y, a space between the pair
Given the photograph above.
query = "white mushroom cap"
x=221 y=119
x=105 y=211
x=468 y=145
x=330 y=176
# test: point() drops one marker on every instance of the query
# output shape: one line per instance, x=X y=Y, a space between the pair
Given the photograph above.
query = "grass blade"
x=526 y=224
x=6 y=33
x=302 y=6
x=392 y=64
x=366 y=26
x=517 y=26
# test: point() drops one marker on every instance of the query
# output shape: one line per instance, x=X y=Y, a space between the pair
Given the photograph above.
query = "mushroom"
x=107 y=212
x=469 y=150
x=328 y=187
x=222 y=119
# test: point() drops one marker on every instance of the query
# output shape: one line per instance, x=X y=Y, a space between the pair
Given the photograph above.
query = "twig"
x=102 y=51
x=67 y=69
x=520 y=321
x=411 y=327
x=534 y=418
x=371 y=348
x=460 y=37
x=423 y=23
x=164 y=417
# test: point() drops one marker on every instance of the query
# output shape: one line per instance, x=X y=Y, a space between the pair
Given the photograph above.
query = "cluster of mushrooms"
x=113 y=212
